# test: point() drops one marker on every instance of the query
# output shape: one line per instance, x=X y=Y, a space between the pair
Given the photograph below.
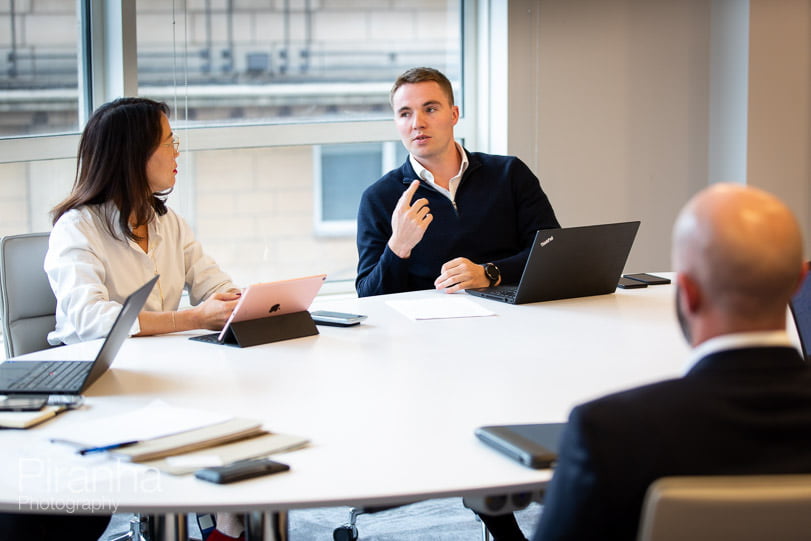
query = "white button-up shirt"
x=453 y=183
x=737 y=341
x=92 y=273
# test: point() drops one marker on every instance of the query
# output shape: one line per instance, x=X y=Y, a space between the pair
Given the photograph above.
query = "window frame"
x=343 y=228
x=114 y=23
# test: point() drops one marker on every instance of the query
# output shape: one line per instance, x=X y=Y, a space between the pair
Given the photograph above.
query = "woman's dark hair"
x=116 y=144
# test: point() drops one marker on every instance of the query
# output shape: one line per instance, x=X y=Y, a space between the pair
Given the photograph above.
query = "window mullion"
x=113 y=50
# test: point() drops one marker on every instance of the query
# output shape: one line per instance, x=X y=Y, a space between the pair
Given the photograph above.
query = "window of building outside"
x=39 y=66
x=252 y=74
x=342 y=172
x=38 y=95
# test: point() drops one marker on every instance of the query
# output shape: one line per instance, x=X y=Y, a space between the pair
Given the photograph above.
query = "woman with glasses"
x=114 y=232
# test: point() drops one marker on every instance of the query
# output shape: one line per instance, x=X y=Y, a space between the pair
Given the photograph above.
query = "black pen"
x=102 y=448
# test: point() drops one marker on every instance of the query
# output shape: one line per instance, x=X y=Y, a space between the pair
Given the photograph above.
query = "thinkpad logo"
x=547 y=241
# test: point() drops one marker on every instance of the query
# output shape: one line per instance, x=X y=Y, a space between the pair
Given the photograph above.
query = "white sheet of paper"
x=153 y=421
x=445 y=307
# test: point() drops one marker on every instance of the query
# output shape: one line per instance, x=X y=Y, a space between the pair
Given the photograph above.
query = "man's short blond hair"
x=422 y=75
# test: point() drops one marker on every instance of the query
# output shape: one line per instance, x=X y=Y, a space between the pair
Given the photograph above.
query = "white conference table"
x=390 y=406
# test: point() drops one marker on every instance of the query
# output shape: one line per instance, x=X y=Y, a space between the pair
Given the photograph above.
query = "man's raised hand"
x=409 y=222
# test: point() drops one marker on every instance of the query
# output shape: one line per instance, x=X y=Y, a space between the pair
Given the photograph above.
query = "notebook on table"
x=74 y=376
x=265 y=300
x=569 y=262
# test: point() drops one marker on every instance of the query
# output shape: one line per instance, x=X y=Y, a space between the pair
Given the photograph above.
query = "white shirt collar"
x=738 y=341
x=428 y=177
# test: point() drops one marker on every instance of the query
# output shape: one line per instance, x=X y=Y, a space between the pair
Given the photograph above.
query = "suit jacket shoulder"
x=736 y=412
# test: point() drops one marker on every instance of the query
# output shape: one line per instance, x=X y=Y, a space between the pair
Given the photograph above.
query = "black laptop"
x=569 y=262
x=73 y=377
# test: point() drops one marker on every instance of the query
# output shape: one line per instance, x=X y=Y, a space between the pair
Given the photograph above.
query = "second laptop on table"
x=569 y=262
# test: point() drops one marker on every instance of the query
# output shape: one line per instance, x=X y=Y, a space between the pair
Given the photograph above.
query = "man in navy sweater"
x=447 y=218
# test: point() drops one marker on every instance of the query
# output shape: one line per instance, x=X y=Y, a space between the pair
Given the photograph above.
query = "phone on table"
x=242 y=469
x=23 y=402
x=650 y=279
x=627 y=283
x=336 y=319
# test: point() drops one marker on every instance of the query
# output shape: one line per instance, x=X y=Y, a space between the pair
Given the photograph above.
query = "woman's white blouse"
x=92 y=272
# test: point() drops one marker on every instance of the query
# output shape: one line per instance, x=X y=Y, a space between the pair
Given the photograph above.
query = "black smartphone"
x=650 y=279
x=23 y=402
x=242 y=469
x=336 y=319
x=627 y=283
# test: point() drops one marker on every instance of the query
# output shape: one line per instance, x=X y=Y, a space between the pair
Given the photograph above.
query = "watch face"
x=492 y=273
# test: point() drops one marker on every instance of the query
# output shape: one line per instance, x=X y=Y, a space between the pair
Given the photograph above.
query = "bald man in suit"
x=744 y=403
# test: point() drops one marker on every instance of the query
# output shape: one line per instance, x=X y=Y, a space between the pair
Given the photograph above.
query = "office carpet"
x=440 y=520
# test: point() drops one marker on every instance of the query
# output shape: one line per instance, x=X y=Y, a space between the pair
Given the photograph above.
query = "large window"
x=38 y=61
x=256 y=62
x=281 y=107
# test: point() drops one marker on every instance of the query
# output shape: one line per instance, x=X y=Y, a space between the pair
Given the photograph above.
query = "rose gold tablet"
x=275 y=299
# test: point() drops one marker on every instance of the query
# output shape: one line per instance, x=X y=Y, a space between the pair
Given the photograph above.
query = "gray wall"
x=617 y=115
x=779 y=138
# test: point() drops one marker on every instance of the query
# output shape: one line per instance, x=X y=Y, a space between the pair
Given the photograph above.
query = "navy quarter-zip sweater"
x=499 y=207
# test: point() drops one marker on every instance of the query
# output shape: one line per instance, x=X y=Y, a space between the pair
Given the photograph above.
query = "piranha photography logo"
x=47 y=486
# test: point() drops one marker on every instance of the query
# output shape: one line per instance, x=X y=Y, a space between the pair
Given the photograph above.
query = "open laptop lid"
x=576 y=261
x=119 y=331
x=104 y=358
x=571 y=262
x=275 y=299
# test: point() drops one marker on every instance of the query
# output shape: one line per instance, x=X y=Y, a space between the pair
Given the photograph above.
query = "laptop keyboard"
x=508 y=292
x=54 y=375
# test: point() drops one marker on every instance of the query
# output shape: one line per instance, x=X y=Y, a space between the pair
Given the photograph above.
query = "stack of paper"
x=189 y=440
x=263 y=444
x=158 y=431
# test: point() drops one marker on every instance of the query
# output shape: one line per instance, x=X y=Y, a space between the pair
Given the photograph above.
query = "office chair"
x=801 y=310
x=491 y=504
x=349 y=531
x=140 y=529
x=743 y=507
x=27 y=304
